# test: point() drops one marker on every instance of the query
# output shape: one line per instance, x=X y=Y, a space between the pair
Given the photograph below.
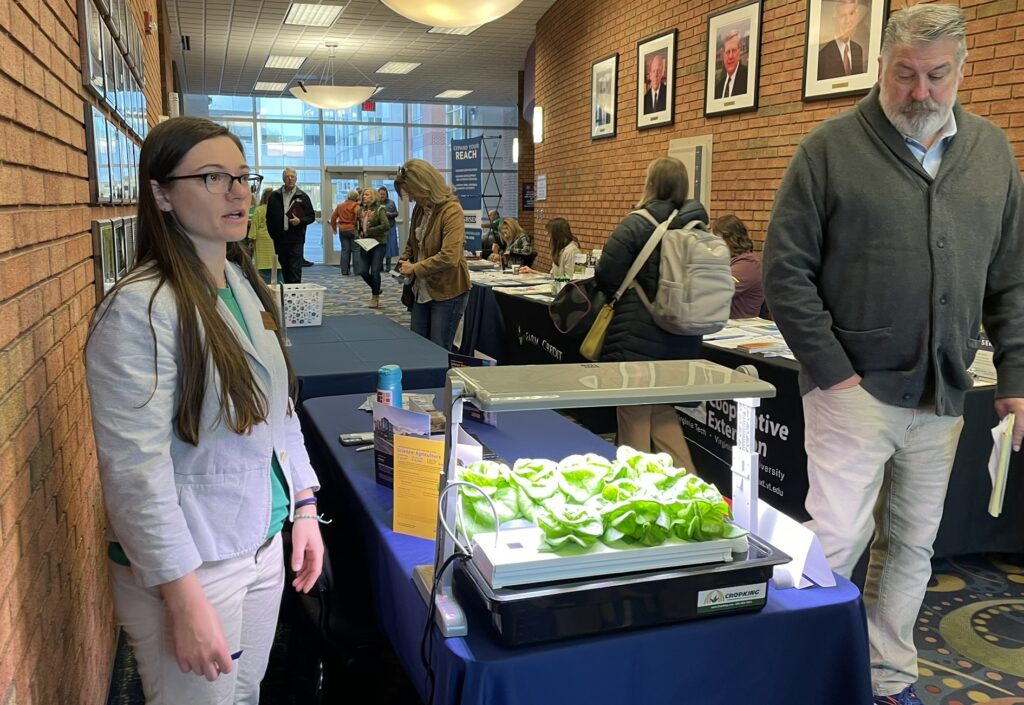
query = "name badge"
x=268 y=320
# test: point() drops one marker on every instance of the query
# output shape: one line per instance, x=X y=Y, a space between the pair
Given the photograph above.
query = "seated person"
x=564 y=248
x=490 y=231
x=746 y=267
x=513 y=246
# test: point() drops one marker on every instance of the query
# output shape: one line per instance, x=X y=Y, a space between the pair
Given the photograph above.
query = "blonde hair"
x=424 y=179
x=376 y=196
x=515 y=230
x=667 y=180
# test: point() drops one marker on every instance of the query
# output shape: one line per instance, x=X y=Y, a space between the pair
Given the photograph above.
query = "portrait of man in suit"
x=654 y=96
x=732 y=75
x=842 y=56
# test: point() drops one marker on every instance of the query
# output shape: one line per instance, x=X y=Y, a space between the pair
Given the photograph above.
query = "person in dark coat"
x=633 y=335
x=289 y=211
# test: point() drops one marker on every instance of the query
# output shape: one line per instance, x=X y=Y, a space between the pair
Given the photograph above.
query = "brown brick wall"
x=526 y=218
x=594 y=183
x=56 y=625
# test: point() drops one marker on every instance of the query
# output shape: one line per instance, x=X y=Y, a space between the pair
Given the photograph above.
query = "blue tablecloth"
x=342 y=356
x=482 y=326
x=807 y=646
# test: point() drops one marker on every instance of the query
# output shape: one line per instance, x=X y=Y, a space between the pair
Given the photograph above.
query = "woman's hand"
x=525 y=270
x=405 y=267
x=307 y=553
x=196 y=631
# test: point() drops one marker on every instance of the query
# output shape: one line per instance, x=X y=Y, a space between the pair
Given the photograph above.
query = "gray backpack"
x=695 y=283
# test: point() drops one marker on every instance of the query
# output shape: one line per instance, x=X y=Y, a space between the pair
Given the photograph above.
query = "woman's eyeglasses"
x=221 y=182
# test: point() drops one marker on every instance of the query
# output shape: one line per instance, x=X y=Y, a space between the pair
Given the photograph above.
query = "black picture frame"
x=655 y=107
x=604 y=97
x=734 y=37
x=824 y=73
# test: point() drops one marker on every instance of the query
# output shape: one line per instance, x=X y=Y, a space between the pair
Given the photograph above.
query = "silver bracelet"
x=319 y=518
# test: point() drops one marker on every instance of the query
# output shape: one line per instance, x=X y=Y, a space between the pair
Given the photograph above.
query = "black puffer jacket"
x=633 y=335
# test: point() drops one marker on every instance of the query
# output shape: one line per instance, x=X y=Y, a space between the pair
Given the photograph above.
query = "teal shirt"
x=278 y=486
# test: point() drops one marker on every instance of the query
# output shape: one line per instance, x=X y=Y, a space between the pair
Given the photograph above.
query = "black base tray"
x=537 y=613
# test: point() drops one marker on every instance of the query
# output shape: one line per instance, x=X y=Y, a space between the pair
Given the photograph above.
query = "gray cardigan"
x=872 y=266
x=172 y=505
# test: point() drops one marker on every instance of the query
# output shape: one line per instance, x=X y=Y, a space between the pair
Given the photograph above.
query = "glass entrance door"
x=338 y=181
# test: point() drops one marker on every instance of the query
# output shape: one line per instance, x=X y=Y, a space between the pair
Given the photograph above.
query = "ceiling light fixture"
x=328 y=96
x=398 y=67
x=269 y=86
x=312 y=15
x=452 y=94
x=452 y=13
x=538 y=124
x=283 y=62
x=461 y=31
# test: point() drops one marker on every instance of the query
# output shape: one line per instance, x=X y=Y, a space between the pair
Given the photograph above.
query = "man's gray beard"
x=919 y=124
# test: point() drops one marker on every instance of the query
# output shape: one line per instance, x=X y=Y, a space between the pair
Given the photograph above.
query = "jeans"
x=437 y=320
x=368 y=266
x=347 y=241
x=289 y=254
x=878 y=469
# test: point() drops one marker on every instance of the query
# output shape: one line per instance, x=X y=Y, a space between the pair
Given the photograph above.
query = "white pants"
x=246 y=592
x=875 y=466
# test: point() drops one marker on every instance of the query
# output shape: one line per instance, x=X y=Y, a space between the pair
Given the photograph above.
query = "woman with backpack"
x=632 y=334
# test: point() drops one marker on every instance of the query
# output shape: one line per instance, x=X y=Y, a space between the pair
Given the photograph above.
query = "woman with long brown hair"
x=200 y=451
x=434 y=257
x=564 y=248
x=633 y=335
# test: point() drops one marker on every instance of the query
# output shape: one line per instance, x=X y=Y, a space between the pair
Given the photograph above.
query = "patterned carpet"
x=970 y=631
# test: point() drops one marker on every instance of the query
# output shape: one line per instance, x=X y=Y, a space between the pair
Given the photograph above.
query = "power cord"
x=426 y=643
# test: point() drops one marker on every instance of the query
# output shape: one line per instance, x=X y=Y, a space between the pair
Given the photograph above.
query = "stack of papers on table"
x=752 y=335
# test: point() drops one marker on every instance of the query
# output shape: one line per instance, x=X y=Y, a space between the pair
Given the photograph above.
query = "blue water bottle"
x=389 y=385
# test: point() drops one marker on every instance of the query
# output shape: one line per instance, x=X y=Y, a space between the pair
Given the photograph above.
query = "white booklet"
x=367 y=243
x=999 y=463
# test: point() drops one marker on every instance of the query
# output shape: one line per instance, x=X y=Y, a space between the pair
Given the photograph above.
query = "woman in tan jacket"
x=434 y=257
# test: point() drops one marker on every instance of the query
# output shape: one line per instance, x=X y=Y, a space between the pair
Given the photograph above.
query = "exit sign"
x=369 y=106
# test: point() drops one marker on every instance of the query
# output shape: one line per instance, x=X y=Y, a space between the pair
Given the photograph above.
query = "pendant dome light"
x=452 y=13
x=328 y=96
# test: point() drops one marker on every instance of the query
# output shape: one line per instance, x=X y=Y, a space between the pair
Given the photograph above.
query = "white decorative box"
x=303 y=304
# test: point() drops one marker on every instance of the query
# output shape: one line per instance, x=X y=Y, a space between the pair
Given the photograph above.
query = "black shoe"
x=306 y=263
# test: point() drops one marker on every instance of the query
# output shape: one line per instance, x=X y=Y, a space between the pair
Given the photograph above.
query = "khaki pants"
x=876 y=469
x=245 y=591
x=654 y=428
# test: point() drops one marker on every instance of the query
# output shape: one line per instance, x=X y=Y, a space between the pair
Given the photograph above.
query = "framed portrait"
x=655 y=81
x=844 y=40
x=89 y=37
x=96 y=140
x=103 y=255
x=114 y=150
x=734 y=54
x=604 y=94
x=120 y=252
x=129 y=241
x=109 y=72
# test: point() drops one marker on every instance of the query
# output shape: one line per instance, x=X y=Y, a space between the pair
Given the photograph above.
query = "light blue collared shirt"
x=931 y=158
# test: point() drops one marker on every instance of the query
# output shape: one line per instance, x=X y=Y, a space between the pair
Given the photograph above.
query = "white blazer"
x=170 y=504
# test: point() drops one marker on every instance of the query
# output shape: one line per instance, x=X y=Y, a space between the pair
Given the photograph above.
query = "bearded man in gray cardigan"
x=896 y=233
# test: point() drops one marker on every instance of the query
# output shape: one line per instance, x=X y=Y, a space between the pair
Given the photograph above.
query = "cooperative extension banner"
x=466 y=179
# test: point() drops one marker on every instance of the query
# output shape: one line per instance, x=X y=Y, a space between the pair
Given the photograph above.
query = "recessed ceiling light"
x=284 y=62
x=398 y=67
x=461 y=31
x=312 y=15
x=268 y=86
x=452 y=94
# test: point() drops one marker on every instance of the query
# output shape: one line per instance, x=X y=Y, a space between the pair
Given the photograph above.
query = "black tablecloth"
x=966 y=526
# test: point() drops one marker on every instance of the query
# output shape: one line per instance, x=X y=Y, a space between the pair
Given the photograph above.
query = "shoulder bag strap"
x=646 y=252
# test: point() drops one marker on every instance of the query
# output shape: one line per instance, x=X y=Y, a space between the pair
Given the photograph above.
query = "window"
x=289 y=143
x=382 y=112
x=285 y=108
x=363 y=145
x=433 y=144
